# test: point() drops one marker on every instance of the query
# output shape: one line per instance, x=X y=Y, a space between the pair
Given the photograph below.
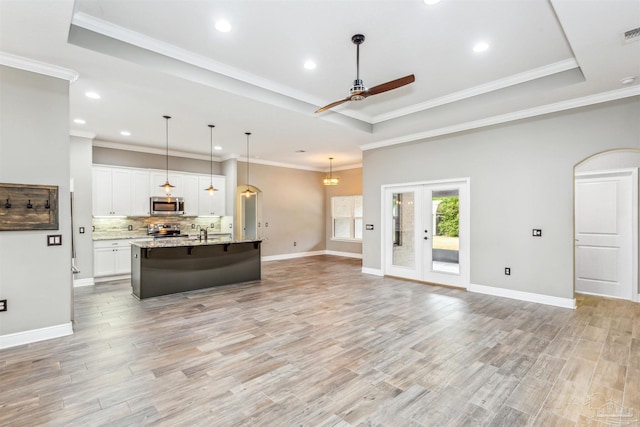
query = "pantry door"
x=426 y=232
x=604 y=215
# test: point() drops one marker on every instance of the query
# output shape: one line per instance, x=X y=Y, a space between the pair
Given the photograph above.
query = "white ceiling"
x=149 y=58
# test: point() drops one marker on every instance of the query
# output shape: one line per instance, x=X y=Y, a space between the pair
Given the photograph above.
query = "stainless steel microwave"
x=167 y=206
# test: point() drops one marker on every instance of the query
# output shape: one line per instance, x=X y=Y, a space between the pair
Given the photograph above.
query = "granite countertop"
x=146 y=236
x=174 y=242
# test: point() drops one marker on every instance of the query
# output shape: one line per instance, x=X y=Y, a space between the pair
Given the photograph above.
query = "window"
x=346 y=215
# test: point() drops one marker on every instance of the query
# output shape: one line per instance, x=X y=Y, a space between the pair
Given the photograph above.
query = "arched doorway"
x=606 y=224
x=249 y=211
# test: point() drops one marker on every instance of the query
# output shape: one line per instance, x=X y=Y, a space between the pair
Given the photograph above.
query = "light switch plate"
x=54 y=240
x=537 y=232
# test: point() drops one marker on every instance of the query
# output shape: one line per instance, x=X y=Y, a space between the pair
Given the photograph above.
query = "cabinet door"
x=219 y=199
x=192 y=191
x=121 y=191
x=102 y=189
x=206 y=199
x=104 y=262
x=158 y=178
x=139 y=192
x=123 y=260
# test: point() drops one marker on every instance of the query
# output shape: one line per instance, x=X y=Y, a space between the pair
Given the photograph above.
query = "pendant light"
x=248 y=193
x=330 y=180
x=167 y=187
x=211 y=189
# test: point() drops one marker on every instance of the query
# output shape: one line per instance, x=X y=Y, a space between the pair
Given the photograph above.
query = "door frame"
x=633 y=173
x=465 y=223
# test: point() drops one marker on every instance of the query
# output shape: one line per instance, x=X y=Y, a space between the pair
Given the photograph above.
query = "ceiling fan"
x=358 y=91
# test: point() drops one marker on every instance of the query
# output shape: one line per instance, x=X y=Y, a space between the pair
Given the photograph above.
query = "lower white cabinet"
x=112 y=257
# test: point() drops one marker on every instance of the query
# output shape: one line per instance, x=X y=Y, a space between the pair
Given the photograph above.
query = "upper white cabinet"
x=126 y=191
x=212 y=204
x=111 y=191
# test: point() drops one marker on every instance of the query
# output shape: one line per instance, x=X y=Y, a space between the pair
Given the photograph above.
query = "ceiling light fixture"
x=628 y=80
x=223 y=26
x=310 y=65
x=211 y=189
x=217 y=148
x=92 y=95
x=167 y=187
x=330 y=180
x=248 y=193
x=125 y=133
x=480 y=47
x=79 y=121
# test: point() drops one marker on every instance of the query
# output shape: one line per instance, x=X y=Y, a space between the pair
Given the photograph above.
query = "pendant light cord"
x=247 y=133
x=167 y=139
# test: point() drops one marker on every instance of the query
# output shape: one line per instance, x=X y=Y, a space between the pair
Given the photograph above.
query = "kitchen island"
x=171 y=265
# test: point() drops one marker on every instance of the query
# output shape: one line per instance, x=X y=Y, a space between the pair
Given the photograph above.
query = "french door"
x=426 y=232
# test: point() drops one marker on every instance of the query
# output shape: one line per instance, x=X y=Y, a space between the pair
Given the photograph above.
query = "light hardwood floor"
x=317 y=343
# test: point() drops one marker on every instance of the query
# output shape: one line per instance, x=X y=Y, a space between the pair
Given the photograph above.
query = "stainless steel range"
x=163 y=230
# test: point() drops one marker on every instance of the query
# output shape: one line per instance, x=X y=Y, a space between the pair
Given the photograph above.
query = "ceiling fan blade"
x=393 y=84
x=333 y=104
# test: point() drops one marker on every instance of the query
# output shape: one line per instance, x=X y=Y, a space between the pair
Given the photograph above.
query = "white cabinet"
x=140 y=204
x=191 y=193
x=158 y=178
x=212 y=204
x=111 y=191
x=111 y=257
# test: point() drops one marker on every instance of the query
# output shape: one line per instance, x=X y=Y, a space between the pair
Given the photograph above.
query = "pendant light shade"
x=167 y=187
x=248 y=193
x=211 y=189
x=330 y=180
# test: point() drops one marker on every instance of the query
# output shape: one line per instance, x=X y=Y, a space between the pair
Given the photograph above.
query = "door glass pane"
x=446 y=223
x=403 y=217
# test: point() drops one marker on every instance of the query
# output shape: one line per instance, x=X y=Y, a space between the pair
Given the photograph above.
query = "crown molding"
x=536 y=73
x=231 y=156
x=82 y=134
x=152 y=150
x=509 y=117
x=279 y=164
x=39 y=67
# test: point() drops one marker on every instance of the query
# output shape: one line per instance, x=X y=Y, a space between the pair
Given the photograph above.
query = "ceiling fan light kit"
x=358 y=91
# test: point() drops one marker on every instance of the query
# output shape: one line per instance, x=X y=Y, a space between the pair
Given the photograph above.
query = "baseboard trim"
x=111 y=278
x=306 y=254
x=35 y=335
x=523 y=296
x=83 y=282
x=372 y=271
x=344 y=254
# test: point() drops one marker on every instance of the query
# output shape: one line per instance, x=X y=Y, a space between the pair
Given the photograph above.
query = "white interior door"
x=426 y=233
x=604 y=212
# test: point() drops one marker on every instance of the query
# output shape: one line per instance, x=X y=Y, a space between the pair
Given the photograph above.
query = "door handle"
x=426 y=238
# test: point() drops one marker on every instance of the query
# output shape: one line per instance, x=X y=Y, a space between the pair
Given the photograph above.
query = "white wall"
x=521 y=178
x=34 y=149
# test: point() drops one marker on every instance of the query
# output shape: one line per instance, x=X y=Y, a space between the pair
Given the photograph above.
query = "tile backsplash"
x=123 y=227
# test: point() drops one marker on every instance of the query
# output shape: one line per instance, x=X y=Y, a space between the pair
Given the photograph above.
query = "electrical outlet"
x=507 y=271
x=130 y=228
x=193 y=226
x=3 y=305
x=81 y=230
x=295 y=244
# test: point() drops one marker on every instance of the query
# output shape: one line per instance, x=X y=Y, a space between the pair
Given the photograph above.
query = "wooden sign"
x=28 y=207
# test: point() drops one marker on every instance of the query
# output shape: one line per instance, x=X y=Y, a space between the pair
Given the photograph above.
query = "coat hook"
x=7 y=205
x=47 y=205
x=29 y=205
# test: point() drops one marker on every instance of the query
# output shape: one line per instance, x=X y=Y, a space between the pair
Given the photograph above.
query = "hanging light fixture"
x=248 y=193
x=330 y=180
x=211 y=189
x=167 y=187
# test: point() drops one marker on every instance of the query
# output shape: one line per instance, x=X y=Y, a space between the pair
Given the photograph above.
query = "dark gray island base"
x=168 y=267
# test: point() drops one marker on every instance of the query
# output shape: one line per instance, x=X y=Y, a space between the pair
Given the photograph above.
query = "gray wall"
x=134 y=159
x=80 y=151
x=292 y=205
x=34 y=149
x=350 y=185
x=521 y=178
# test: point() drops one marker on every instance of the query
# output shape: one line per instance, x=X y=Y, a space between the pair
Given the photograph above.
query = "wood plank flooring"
x=317 y=343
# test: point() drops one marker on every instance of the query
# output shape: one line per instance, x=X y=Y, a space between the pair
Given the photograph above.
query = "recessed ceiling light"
x=628 y=80
x=217 y=147
x=223 y=26
x=431 y=2
x=92 y=95
x=79 y=121
x=301 y=151
x=125 y=133
x=480 y=47
x=310 y=65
